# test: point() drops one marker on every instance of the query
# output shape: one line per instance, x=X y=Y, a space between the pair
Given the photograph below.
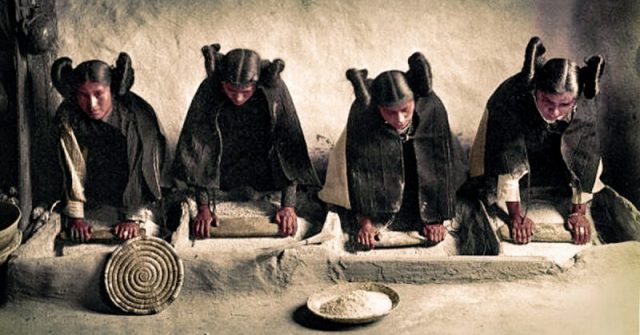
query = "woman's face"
x=95 y=99
x=398 y=117
x=239 y=94
x=554 y=106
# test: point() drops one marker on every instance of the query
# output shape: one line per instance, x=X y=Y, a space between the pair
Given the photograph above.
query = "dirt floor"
x=600 y=294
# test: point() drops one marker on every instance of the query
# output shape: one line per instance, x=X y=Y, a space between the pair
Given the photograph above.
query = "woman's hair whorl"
x=212 y=57
x=122 y=75
x=270 y=71
x=533 y=58
x=590 y=76
x=61 y=72
x=360 y=83
x=419 y=75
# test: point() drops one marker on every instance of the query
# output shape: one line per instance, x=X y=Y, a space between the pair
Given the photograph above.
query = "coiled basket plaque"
x=144 y=275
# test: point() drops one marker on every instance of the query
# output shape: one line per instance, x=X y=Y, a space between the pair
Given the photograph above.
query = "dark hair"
x=241 y=67
x=94 y=71
x=558 y=76
x=67 y=79
x=390 y=89
x=561 y=75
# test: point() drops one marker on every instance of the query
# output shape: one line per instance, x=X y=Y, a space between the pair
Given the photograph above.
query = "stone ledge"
x=409 y=270
x=37 y=272
x=79 y=279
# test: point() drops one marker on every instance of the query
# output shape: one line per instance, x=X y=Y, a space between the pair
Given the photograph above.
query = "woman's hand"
x=80 y=230
x=287 y=221
x=434 y=232
x=522 y=227
x=203 y=221
x=579 y=225
x=367 y=233
x=127 y=230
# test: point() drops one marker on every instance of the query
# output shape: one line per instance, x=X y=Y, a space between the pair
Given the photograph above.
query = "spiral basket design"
x=144 y=275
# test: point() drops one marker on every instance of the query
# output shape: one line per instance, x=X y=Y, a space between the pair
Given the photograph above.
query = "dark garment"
x=545 y=159
x=202 y=145
x=105 y=148
x=375 y=162
x=408 y=217
x=518 y=139
x=246 y=140
x=410 y=193
x=124 y=155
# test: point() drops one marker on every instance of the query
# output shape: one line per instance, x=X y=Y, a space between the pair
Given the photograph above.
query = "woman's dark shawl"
x=198 y=154
x=146 y=147
x=375 y=166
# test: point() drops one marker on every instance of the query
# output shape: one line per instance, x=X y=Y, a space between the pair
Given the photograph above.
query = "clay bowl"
x=315 y=301
x=9 y=218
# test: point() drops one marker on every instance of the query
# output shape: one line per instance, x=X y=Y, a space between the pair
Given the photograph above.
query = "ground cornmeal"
x=357 y=304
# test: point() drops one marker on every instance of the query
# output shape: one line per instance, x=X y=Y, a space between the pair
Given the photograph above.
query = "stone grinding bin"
x=10 y=235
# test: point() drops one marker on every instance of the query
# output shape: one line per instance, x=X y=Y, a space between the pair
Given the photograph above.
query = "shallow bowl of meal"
x=354 y=303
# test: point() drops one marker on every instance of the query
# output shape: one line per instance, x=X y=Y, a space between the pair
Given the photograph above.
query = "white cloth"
x=336 y=186
x=509 y=188
x=76 y=169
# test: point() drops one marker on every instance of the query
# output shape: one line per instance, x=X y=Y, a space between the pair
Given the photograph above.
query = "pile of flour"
x=235 y=209
x=357 y=304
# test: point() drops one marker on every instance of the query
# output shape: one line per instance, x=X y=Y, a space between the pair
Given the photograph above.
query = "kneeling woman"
x=112 y=148
x=242 y=135
x=541 y=123
x=400 y=156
